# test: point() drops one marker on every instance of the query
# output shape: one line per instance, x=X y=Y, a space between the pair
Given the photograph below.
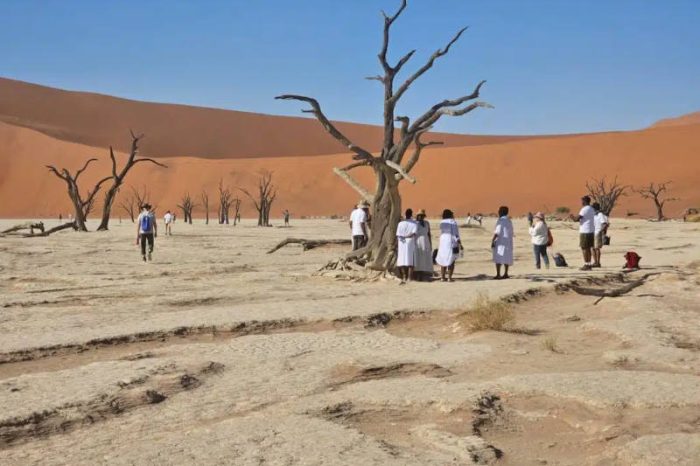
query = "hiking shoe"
x=586 y=267
x=144 y=258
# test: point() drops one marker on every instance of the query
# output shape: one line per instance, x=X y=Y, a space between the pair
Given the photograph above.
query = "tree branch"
x=330 y=128
x=416 y=153
x=427 y=119
x=150 y=160
x=77 y=174
x=354 y=184
x=388 y=21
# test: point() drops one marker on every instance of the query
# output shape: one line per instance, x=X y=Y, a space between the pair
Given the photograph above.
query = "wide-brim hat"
x=421 y=212
x=539 y=215
x=362 y=204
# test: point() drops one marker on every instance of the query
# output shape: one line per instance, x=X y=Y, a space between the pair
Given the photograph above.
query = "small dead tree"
x=118 y=177
x=82 y=205
x=131 y=203
x=187 y=206
x=606 y=193
x=264 y=197
x=205 y=203
x=390 y=167
x=657 y=193
x=225 y=199
x=236 y=204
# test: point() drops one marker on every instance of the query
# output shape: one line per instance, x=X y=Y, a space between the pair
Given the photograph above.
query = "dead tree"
x=187 y=206
x=225 y=200
x=606 y=194
x=131 y=203
x=205 y=203
x=82 y=206
x=265 y=197
x=391 y=166
x=657 y=193
x=236 y=204
x=118 y=177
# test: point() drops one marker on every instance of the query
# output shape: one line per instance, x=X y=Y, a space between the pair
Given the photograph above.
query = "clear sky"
x=553 y=66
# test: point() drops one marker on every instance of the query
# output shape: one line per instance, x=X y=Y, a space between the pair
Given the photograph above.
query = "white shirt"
x=406 y=229
x=168 y=218
x=358 y=217
x=538 y=231
x=587 y=221
x=599 y=220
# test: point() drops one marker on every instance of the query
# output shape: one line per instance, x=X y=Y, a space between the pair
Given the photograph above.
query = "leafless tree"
x=390 y=166
x=118 y=176
x=236 y=204
x=606 y=193
x=187 y=206
x=657 y=193
x=225 y=199
x=132 y=201
x=82 y=205
x=205 y=203
x=267 y=192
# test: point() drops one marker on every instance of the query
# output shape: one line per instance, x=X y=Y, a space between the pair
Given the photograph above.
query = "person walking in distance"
x=586 y=219
x=358 y=227
x=286 y=217
x=146 y=231
x=601 y=223
x=168 y=219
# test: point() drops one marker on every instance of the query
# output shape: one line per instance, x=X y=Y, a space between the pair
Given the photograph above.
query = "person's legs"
x=450 y=271
x=409 y=273
x=151 y=242
x=356 y=241
x=505 y=275
x=536 y=250
x=142 y=240
x=498 y=271
x=545 y=257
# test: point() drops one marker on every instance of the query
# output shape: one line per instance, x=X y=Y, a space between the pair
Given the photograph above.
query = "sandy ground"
x=217 y=353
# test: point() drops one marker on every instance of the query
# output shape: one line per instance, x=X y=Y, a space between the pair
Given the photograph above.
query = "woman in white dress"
x=502 y=243
x=406 y=239
x=449 y=246
x=424 y=248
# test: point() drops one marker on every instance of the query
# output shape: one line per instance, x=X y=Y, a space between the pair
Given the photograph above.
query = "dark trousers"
x=146 y=237
x=358 y=241
x=540 y=252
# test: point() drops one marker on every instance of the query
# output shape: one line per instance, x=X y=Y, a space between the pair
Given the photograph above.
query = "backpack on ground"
x=550 y=238
x=559 y=260
x=146 y=223
x=632 y=260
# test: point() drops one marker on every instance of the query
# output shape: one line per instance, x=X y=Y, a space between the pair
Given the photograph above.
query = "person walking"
x=286 y=217
x=449 y=245
x=586 y=219
x=502 y=244
x=406 y=254
x=539 y=231
x=168 y=219
x=600 y=230
x=358 y=227
x=424 y=248
x=146 y=231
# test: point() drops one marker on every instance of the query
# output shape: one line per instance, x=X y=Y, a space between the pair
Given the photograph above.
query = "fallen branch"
x=31 y=226
x=65 y=226
x=309 y=243
x=614 y=292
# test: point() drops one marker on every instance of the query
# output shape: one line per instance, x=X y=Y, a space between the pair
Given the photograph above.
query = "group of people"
x=415 y=256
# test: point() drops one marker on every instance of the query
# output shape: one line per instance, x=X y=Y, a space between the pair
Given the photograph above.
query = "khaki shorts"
x=586 y=240
x=598 y=240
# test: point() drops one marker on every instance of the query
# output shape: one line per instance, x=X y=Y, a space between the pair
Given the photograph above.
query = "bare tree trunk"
x=657 y=193
x=205 y=204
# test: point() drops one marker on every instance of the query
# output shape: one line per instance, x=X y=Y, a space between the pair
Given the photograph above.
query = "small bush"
x=693 y=218
x=550 y=344
x=487 y=314
x=562 y=210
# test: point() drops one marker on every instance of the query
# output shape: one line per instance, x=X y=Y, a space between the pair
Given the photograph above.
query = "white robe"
x=449 y=239
x=424 y=252
x=503 y=250
x=405 y=235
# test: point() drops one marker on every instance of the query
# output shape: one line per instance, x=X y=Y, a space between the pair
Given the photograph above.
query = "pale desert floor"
x=218 y=353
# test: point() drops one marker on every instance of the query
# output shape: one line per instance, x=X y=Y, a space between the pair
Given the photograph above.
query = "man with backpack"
x=146 y=231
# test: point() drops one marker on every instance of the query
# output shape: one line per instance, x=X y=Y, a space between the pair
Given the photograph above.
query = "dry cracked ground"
x=218 y=353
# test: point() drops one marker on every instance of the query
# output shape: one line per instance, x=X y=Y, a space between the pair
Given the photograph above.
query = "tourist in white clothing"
x=406 y=239
x=586 y=219
x=539 y=231
x=168 y=220
x=449 y=246
x=502 y=243
x=600 y=230
x=423 y=268
x=358 y=226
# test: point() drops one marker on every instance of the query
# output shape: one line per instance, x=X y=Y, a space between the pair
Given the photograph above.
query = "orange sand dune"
x=538 y=174
x=688 y=119
x=175 y=130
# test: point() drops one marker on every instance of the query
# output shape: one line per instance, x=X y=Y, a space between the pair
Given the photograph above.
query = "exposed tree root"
x=15 y=230
x=309 y=243
x=31 y=226
x=611 y=292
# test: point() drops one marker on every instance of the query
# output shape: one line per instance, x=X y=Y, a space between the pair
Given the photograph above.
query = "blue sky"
x=553 y=66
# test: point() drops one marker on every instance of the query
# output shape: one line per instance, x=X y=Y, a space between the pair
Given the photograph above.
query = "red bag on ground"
x=632 y=260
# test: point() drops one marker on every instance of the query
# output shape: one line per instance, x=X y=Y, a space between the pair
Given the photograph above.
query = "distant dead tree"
x=82 y=206
x=236 y=204
x=657 y=193
x=118 y=177
x=205 y=203
x=264 y=197
x=606 y=193
x=379 y=254
x=132 y=201
x=187 y=206
x=225 y=200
